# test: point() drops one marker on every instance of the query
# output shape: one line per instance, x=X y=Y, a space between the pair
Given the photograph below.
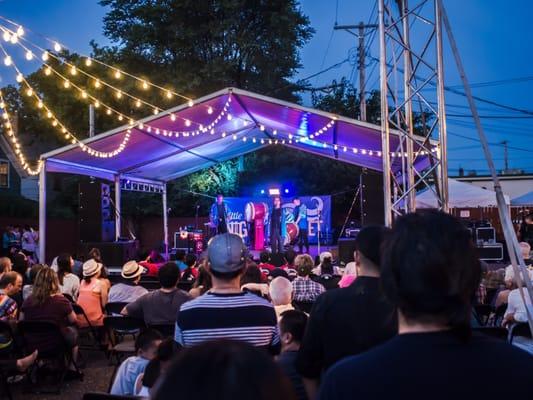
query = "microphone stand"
x=318 y=231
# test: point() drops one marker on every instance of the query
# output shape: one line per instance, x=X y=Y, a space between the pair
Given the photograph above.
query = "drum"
x=292 y=233
x=255 y=211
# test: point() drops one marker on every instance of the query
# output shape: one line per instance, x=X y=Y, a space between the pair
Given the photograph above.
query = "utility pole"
x=361 y=60
x=505 y=156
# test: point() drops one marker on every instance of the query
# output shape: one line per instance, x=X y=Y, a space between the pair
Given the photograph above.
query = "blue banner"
x=318 y=207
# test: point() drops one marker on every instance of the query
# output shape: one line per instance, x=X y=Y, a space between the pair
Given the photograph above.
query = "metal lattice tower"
x=412 y=103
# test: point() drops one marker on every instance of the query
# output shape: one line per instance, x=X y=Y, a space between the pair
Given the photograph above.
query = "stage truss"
x=411 y=76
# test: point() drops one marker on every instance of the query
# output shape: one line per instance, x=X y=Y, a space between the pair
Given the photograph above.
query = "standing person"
x=225 y=311
x=349 y=321
x=277 y=221
x=8 y=238
x=219 y=215
x=300 y=219
x=28 y=241
x=430 y=272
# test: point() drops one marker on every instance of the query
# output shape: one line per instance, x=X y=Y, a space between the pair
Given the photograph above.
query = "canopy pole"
x=165 y=221
x=42 y=213
x=118 y=208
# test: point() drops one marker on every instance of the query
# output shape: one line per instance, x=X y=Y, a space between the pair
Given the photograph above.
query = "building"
x=14 y=180
x=513 y=185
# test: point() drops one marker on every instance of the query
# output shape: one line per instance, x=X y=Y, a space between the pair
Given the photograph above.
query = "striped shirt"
x=235 y=316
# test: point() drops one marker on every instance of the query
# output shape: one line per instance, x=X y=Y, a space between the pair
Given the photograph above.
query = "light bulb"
x=45 y=56
x=66 y=84
x=47 y=71
x=190 y=103
x=108 y=111
x=54 y=123
x=29 y=92
x=138 y=103
x=14 y=39
x=156 y=111
x=40 y=104
x=20 y=30
x=169 y=94
x=57 y=47
x=117 y=74
x=49 y=114
x=209 y=110
x=187 y=122
x=145 y=85
x=88 y=62
x=73 y=70
x=97 y=83
x=29 y=55
x=96 y=104
x=118 y=94
x=120 y=117
x=84 y=94
x=172 y=117
x=19 y=78
x=6 y=36
x=2 y=104
x=8 y=61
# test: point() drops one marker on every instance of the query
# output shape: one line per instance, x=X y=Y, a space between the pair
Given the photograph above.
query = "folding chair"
x=56 y=352
x=519 y=329
x=90 y=330
x=114 y=308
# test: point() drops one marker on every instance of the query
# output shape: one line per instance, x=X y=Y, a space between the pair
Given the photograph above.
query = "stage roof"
x=169 y=145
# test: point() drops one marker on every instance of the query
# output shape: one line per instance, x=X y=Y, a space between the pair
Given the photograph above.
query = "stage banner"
x=318 y=207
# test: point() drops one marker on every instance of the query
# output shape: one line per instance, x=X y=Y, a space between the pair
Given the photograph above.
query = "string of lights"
x=56 y=123
x=12 y=136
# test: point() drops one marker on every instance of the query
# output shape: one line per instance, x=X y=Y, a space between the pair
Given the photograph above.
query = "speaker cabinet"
x=96 y=214
x=346 y=249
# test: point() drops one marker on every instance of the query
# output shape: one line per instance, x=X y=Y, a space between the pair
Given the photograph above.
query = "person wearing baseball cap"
x=225 y=311
x=129 y=289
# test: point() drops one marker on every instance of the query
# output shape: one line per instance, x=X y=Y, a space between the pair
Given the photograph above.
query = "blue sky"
x=494 y=40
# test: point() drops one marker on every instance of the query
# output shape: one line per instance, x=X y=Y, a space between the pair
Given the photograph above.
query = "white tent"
x=461 y=195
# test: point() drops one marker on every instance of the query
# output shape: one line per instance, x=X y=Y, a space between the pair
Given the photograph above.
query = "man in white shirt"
x=128 y=290
x=509 y=272
x=516 y=309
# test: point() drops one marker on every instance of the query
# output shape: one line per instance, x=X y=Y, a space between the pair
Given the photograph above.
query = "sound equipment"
x=346 y=250
x=486 y=235
x=189 y=240
x=490 y=252
x=96 y=215
x=114 y=254
x=255 y=214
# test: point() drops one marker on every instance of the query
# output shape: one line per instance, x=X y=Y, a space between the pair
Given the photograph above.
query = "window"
x=4 y=174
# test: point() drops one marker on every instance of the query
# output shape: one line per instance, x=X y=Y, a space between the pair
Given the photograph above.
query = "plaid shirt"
x=306 y=290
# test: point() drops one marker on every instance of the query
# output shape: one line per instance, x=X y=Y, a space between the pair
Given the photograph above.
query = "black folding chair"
x=56 y=352
x=115 y=308
x=89 y=331
x=519 y=329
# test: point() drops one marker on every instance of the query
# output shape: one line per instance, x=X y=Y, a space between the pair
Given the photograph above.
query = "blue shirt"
x=181 y=265
x=127 y=373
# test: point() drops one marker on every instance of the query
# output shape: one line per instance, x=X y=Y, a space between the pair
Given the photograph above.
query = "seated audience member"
x=129 y=289
x=291 y=331
x=27 y=289
x=202 y=284
x=509 y=279
x=331 y=335
x=92 y=294
x=278 y=272
x=289 y=257
x=191 y=272
x=516 y=309
x=430 y=271
x=156 y=368
x=10 y=285
x=46 y=303
x=253 y=281
x=180 y=260
x=68 y=282
x=21 y=265
x=349 y=275
x=152 y=263
x=224 y=369
x=281 y=295
x=5 y=265
x=304 y=288
x=265 y=261
x=12 y=366
x=160 y=306
x=225 y=311
x=146 y=346
x=326 y=264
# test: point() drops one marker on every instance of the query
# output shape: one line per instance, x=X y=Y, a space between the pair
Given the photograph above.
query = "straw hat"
x=131 y=270
x=91 y=267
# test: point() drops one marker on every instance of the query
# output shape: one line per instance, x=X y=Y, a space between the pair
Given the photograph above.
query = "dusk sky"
x=494 y=39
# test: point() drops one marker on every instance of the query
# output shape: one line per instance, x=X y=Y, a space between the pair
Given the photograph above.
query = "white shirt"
x=70 y=286
x=509 y=273
x=515 y=305
x=122 y=292
x=28 y=241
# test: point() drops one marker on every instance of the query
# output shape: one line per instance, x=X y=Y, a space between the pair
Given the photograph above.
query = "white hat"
x=131 y=270
x=91 y=267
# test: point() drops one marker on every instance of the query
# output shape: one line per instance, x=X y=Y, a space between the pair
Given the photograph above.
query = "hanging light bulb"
x=187 y=122
x=57 y=47
x=144 y=85
x=120 y=117
x=47 y=71
x=45 y=56
x=66 y=84
x=108 y=111
x=40 y=104
x=169 y=94
x=190 y=103
x=172 y=117
x=88 y=62
x=96 y=104
x=117 y=74
x=49 y=114
x=6 y=36
x=156 y=111
x=84 y=94
x=20 y=31
x=19 y=78
x=14 y=39
x=138 y=103
x=97 y=84
x=118 y=94
x=29 y=55
x=209 y=110
x=8 y=61
x=73 y=70
x=29 y=92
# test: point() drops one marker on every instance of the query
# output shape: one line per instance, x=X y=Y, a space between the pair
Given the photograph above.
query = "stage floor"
x=313 y=251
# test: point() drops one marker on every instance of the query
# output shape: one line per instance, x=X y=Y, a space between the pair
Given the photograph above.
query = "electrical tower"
x=412 y=103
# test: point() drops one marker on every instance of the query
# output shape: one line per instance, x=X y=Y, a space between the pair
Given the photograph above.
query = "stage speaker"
x=373 y=203
x=95 y=213
x=114 y=254
x=346 y=249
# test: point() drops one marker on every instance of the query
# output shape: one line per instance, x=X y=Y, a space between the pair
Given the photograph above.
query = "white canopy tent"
x=461 y=195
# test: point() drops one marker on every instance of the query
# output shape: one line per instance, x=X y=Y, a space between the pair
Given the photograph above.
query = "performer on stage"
x=277 y=226
x=220 y=215
x=300 y=219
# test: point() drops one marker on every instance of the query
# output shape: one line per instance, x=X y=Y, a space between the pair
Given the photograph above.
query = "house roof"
x=163 y=147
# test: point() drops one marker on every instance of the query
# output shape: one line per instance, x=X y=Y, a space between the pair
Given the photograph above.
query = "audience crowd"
x=401 y=321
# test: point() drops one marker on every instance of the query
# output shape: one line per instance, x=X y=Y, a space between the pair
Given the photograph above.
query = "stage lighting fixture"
x=274 y=192
x=286 y=191
x=262 y=191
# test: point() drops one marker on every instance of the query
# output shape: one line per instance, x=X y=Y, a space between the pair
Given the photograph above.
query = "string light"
x=29 y=55
x=8 y=61
x=88 y=62
x=47 y=71
x=118 y=75
x=19 y=78
x=6 y=36
x=20 y=31
x=45 y=56
x=57 y=47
